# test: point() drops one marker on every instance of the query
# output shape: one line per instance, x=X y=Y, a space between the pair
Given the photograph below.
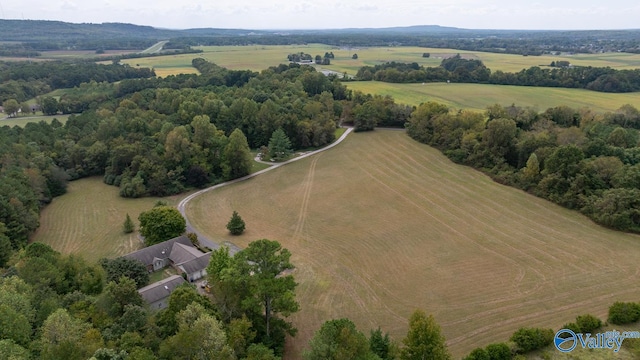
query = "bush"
x=573 y=327
x=587 y=323
x=624 y=313
x=529 y=339
x=499 y=351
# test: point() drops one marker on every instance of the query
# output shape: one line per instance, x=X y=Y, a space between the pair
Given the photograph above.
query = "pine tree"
x=128 y=227
x=236 y=225
x=279 y=146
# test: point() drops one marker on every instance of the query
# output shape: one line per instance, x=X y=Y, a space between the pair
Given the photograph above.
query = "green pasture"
x=479 y=96
x=88 y=220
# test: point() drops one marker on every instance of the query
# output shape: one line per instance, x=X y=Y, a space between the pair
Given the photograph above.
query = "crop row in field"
x=381 y=225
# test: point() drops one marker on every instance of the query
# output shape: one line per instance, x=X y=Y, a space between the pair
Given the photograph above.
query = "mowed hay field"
x=381 y=225
x=479 y=96
x=260 y=57
x=88 y=219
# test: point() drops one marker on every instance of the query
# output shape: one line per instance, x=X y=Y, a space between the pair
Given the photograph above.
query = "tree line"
x=25 y=80
x=459 y=70
x=576 y=158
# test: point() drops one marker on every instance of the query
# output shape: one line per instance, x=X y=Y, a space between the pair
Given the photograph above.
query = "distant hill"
x=41 y=35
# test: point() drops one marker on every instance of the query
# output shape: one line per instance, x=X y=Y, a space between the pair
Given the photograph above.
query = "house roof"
x=181 y=253
x=196 y=264
x=161 y=289
x=160 y=251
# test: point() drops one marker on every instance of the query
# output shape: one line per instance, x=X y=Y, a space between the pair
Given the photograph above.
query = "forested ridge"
x=30 y=37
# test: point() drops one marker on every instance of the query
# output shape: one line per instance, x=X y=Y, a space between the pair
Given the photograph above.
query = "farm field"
x=259 y=57
x=88 y=220
x=381 y=225
x=479 y=96
x=22 y=121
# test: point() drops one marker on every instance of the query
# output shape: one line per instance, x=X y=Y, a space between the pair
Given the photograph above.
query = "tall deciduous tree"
x=128 y=268
x=279 y=146
x=424 y=340
x=339 y=340
x=237 y=156
x=160 y=224
x=11 y=107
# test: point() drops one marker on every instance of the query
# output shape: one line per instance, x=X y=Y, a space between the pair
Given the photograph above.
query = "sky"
x=333 y=14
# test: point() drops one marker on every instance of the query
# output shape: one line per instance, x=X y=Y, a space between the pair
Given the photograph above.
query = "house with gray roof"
x=178 y=253
x=157 y=294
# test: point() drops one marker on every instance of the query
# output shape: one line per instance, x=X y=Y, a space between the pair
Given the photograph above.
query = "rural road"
x=232 y=247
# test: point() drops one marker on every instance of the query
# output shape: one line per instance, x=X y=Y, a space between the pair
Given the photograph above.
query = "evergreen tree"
x=236 y=225
x=279 y=146
x=424 y=340
x=128 y=227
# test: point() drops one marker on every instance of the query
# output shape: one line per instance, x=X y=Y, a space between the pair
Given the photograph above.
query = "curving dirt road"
x=232 y=247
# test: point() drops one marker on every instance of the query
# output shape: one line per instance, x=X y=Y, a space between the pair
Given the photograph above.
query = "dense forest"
x=22 y=81
x=459 y=70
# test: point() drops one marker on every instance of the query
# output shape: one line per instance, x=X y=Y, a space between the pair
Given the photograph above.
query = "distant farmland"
x=260 y=57
x=381 y=225
x=479 y=96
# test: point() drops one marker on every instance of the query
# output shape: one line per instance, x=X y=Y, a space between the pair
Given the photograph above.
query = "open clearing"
x=479 y=96
x=259 y=57
x=88 y=219
x=382 y=225
x=22 y=121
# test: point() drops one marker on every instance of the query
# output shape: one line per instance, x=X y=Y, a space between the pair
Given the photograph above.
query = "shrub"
x=587 y=323
x=573 y=327
x=499 y=351
x=529 y=339
x=624 y=313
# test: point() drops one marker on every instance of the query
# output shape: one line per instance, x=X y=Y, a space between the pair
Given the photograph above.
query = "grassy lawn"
x=23 y=120
x=160 y=275
x=479 y=96
x=88 y=220
x=382 y=225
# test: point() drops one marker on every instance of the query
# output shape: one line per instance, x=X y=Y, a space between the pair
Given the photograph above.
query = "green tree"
x=128 y=227
x=199 y=336
x=117 y=295
x=237 y=156
x=530 y=339
x=260 y=352
x=354 y=56
x=279 y=146
x=381 y=345
x=9 y=350
x=128 y=268
x=5 y=246
x=424 y=340
x=261 y=270
x=236 y=225
x=11 y=107
x=49 y=105
x=14 y=325
x=160 y=224
x=339 y=340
